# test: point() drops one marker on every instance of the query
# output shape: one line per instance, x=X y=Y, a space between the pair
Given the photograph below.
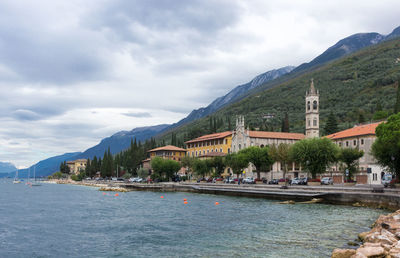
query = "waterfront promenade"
x=361 y=195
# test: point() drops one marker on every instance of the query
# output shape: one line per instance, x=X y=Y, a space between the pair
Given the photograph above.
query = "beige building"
x=243 y=138
x=76 y=166
x=361 y=137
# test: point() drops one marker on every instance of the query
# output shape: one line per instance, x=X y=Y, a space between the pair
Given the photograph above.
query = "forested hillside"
x=354 y=88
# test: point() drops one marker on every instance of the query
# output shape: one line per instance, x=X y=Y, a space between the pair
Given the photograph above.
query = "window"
x=229 y=150
x=240 y=146
x=262 y=146
x=362 y=141
x=347 y=144
x=308 y=105
x=196 y=153
x=355 y=142
x=315 y=122
x=374 y=177
x=216 y=150
x=192 y=153
x=220 y=150
x=315 y=105
x=204 y=152
x=340 y=144
x=309 y=122
x=226 y=141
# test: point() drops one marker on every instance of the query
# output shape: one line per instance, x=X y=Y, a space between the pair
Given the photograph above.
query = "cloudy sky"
x=73 y=72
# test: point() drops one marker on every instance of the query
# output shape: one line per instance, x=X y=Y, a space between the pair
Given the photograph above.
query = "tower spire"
x=312 y=88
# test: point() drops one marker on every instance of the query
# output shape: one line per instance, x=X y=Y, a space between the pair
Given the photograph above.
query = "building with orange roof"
x=243 y=138
x=361 y=137
x=77 y=166
x=166 y=152
x=210 y=143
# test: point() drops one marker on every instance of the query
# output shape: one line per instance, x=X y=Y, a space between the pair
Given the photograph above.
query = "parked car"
x=327 y=181
x=114 y=179
x=264 y=180
x=273 y=182
x=135 y=180
x=303 y=181
x=295 y=181
x=386 y=179
x=249 y=180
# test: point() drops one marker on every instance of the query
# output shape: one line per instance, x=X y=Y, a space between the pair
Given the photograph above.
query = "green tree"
x=285 y=123
x=397 y=105
x=386 y=148
x=165 y=168
x=350 y=157
x=331 y=125
x=143 y=173
x=259 y=157
x=282 y=154
x=380 y=115
x=315 y=154
x=218 y=164
x=237 y=162
x=201 y=167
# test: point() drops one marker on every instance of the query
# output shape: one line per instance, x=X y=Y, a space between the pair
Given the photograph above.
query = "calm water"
x=76 y=221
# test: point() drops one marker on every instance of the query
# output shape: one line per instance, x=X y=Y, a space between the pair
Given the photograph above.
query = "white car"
x=248 y=180
x=135 y=180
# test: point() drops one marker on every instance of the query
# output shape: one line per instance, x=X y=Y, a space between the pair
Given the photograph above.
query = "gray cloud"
x=73 y=72
x=137 y=114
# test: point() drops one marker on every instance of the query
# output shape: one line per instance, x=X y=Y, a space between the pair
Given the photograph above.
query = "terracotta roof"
x=75 y=161
x=213 y=154
x=211 y=137
x=276 y=135
x=368 y=129
x=167 y=148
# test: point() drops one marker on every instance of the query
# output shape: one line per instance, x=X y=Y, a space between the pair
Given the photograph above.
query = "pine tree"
x=331 y=125
x=285 y=123
x=397 y=105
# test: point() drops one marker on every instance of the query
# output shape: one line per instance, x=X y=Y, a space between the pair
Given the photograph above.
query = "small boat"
x=35 y=183
x=16 y=180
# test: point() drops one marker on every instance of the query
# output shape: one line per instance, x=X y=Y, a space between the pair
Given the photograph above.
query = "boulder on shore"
x=343 y=253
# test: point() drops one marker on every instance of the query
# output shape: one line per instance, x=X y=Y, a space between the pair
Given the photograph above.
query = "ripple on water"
x=76 y=221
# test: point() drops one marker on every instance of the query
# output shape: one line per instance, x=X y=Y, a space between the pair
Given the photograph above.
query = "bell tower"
x=312 y=112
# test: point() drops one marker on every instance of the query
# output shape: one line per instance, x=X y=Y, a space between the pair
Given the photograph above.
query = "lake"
x=77 y=221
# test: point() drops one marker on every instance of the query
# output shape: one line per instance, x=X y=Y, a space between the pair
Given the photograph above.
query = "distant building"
x=361 y=137
x=243 y=138
x=166 y=152
x=210 y=143
x=76 y=166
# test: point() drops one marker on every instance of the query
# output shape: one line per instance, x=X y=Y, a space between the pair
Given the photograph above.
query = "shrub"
x=75 y=178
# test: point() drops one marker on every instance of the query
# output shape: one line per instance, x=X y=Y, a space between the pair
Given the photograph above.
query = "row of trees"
x=314 y=155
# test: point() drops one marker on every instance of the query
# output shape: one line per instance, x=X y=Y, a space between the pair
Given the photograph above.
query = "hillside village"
x=223 y=144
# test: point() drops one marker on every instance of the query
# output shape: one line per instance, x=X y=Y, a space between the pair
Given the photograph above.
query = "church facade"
x=243 y=138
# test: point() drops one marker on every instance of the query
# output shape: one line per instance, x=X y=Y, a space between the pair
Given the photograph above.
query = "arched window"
x=308 y=105
x=262 y=146
x=315 y=105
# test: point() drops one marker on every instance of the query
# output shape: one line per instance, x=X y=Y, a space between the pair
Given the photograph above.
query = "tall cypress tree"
x=397 y=105
x=285 y=123
x=331 y=125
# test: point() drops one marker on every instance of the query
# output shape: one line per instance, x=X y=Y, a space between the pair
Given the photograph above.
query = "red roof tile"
x=167 y=148
x=211 y=137
x=276 y=135
x=368 y=129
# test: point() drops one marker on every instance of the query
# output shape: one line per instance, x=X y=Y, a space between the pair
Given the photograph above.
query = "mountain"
x=121 y=140
x=47 y=166
x=350 y=87
x=234 y=95
x=347 y=46
x=6 y=167
x=117 y=142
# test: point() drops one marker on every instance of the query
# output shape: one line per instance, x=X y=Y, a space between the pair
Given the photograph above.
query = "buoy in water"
x=161 y=197
x=185 y=202
x=116 y=194
x=104 y=193
x=216 y=203
x=184 y=199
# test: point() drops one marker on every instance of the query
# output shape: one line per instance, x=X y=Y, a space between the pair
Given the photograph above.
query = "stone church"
x=243 y=138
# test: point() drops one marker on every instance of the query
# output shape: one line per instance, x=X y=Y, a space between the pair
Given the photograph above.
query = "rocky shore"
x=383 y=240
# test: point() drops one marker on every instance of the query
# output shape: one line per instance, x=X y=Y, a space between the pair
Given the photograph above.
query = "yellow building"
x=206 y=144
x=76 y=166
x=168 y=152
